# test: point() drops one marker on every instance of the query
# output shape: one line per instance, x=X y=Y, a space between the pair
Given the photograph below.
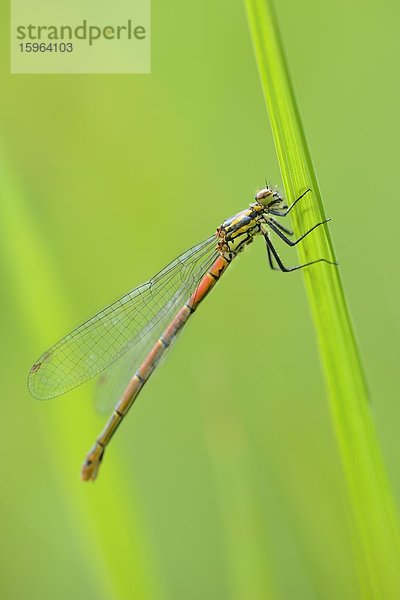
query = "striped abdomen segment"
x=93 y=459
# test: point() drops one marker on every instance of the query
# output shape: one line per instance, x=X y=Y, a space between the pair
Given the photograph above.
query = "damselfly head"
x=265 y=195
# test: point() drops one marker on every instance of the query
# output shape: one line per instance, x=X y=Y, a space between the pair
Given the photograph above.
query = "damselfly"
x=143 y=324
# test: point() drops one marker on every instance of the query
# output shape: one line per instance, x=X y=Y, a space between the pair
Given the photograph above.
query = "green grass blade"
x=108 y=535
x=374 y=518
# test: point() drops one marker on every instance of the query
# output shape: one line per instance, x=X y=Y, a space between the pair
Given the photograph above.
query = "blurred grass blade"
x=375 y=527
x=247 y=548
x=107 y=530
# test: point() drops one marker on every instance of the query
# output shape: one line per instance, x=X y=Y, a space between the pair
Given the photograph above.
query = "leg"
x=270 y=248
x=295 y=202
x=271 y=262
x=278 y=213
x=274 y=226
x=285 y=210
x=281 y=227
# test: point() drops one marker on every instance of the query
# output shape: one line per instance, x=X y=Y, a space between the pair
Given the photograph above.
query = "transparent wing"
x=108 y=335
x=114 y=379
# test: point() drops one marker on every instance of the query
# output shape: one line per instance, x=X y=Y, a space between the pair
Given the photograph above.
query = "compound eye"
x=264 y=193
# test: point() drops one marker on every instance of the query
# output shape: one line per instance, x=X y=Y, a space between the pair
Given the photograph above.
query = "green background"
x=225 y=481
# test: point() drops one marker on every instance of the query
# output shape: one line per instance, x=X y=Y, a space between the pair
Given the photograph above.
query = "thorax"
x=238 y=231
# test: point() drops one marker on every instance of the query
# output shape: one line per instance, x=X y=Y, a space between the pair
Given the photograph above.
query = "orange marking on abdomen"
x=129 y=395
x=150 y=361
x=208 y=282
